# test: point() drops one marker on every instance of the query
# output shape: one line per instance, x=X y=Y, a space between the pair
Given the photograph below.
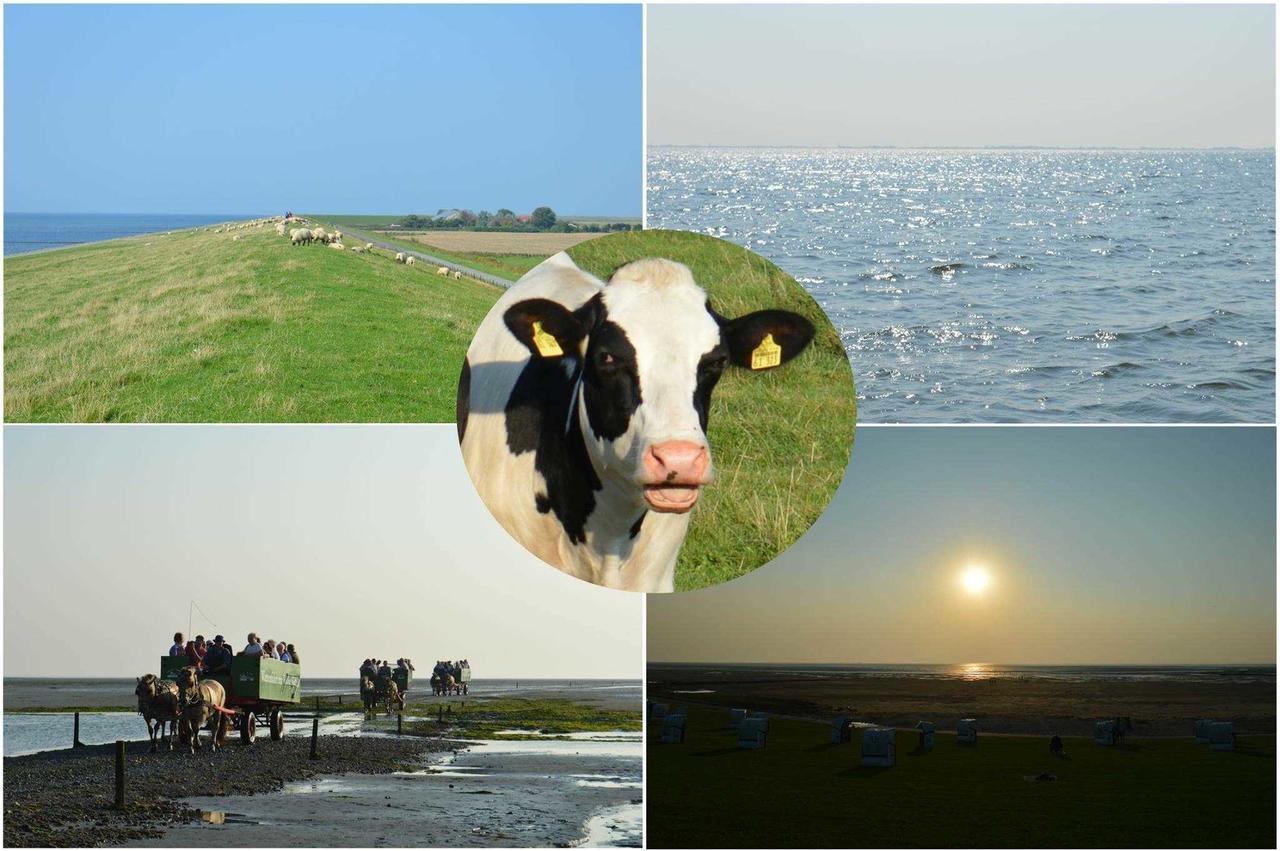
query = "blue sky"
x=1104 y=545
x=369 y=109
x=963 y=75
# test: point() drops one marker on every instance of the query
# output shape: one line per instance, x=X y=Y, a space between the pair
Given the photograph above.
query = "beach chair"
x=1202 y=731
x=967 y=731
x=926 y=729
x=736 y=717
x=1222 y=736
x=1104 y=733
x=840 y=730
x=673 y=729
x=657 y=711
x=753 y=732
x=879 y=747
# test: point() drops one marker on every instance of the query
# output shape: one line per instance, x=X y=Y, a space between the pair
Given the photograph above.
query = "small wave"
x=946 y=268
x=1006 y=266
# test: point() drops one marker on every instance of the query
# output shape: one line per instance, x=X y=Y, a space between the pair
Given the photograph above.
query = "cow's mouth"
x=676 y=499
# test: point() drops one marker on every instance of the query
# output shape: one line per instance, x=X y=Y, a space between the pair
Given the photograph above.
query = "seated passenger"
x=254 y=647
x=293 y=655
x=177 y=648
x=217 y=660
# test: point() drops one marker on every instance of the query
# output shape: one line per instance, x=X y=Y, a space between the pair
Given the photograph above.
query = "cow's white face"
x=646 y=353
x=647 y=374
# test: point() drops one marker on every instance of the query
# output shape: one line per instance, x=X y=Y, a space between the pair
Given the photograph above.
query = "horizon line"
x=1009 y=664
x=883 y=147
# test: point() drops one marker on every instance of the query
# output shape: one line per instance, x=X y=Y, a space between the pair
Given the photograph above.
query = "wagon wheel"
x=277 y=724
x=464 y=688
x=248 y=728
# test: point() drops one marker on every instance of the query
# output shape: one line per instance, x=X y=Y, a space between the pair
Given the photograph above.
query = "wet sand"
x=65 y=797
x=491 y=794
x=1002 y=705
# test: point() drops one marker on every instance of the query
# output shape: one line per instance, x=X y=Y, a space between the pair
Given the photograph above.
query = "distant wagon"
x=258 y=690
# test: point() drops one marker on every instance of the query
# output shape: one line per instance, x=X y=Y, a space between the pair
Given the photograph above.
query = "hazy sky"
x=346 y=541
x=1104 y=545
x=1158 y=75
x=328 y=108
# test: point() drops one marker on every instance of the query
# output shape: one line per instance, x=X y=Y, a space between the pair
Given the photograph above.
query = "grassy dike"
x=197 y=327
x=803 y=791
x=780 y=438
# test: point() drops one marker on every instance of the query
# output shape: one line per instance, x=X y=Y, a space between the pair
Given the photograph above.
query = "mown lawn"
x=196 y=327
x=803 y=791
x=780 y=438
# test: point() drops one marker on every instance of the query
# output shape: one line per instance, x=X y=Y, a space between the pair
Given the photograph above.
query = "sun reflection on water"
x=975 y=671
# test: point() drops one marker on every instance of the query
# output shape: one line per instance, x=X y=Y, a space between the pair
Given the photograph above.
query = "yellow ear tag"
x=766 y=355
x=548 y=346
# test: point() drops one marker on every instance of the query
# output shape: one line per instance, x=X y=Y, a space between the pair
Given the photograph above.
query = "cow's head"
x=648 y=350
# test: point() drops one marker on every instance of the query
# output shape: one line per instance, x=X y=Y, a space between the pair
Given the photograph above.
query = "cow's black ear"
x=547 y=328
x=766 y=338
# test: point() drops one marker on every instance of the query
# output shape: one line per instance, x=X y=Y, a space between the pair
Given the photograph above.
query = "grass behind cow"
x=195 y=327
x=803 y=791
x=780 y=438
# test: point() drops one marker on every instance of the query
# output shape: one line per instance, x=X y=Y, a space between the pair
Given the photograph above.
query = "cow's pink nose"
x=677 y=462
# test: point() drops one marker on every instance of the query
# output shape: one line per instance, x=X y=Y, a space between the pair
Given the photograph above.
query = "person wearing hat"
x=217 y=659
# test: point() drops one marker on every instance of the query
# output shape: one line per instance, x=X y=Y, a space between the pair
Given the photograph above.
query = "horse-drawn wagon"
x=450 y=679
x=258 y=690
x=388 y=691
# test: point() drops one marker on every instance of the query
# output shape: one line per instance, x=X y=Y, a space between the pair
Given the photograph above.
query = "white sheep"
x=320 y=234
x=368 y=246
x=355 y=249
x=300 y=236
x=337 y=245
x=399 y=256
x=443 y=270
x=457 y=275
x=408 y=261
x=235 y=238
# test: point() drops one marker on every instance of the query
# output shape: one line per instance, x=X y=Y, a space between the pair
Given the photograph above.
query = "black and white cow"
x=582 y=411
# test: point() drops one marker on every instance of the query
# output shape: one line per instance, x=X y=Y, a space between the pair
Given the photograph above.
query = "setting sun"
x=975 y=579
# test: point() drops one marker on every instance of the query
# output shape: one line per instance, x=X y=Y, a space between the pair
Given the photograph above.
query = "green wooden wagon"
x=258 y=690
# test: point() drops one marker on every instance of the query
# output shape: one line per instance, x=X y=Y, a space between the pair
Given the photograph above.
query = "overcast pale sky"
x=962 y=75
x=345 y=540
x=1103 y=545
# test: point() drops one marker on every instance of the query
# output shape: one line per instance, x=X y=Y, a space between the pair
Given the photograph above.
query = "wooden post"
x=119 y=774
x=315 y=734
x=317 y=704
x=440 y=716
x=399 y=723
x=339 y=700
x=75 y=734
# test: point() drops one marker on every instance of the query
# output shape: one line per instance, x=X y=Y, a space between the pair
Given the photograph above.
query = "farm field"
x=781 y=439
x=487 y=242
x=803 y=791
x=196 y=327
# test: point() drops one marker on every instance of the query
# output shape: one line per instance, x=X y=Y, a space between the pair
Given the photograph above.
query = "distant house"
x=524 y=220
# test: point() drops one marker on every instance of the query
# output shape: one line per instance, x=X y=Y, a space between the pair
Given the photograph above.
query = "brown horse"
x=394 y=697
x=369 y=697
x=158 y=702
x=201 y=702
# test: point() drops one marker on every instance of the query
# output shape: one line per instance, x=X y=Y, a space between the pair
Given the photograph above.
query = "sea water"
x=24 y=232
x=1001 y=285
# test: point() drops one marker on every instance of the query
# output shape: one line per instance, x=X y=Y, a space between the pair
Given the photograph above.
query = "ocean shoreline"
x=1159 y=708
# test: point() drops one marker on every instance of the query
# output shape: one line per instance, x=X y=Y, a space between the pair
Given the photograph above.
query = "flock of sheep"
x=305 y=235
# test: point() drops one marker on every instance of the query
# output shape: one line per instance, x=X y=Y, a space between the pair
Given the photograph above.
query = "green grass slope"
x=196 y=327
x=781 y=438
x=803 y=791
